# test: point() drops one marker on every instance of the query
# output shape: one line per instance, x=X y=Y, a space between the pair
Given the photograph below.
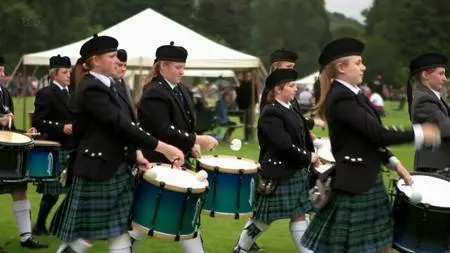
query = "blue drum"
x=14 y=148
x=232 y=183
x=43 y=161
x=168 y=203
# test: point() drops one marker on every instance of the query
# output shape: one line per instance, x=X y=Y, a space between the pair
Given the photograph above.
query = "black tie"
x=179 y=94
x=66 y=93
x=114 y=90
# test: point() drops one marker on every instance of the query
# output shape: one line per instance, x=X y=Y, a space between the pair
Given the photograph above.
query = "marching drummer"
x=360 y=207
x=428 y=105
x=166 y=110
x=21 y=205
x=52 y=117
x=121 y=68
x=286 y=153
x=98 y=203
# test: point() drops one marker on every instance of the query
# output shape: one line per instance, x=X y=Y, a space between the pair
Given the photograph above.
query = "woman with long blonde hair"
x=357 y=217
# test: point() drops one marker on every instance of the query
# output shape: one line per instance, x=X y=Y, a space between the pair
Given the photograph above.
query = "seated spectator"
x=222 y=119
x=305 y=100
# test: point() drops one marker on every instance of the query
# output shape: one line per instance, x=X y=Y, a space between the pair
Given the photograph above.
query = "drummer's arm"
x=272 y=126
x=153 y=113
x=42 y=108
x=389 y=160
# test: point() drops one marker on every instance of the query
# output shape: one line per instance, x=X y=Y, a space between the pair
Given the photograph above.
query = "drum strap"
x=238 y=199
x=215 y=183
x=183 y=211
x=162 y=185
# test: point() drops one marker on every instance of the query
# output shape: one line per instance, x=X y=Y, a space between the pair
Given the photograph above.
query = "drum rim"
x=229 y=170
x=160 y=235
x=174 y=187
x=422 y=205
x=46 y=143
x=24 y=145
x=227 y=215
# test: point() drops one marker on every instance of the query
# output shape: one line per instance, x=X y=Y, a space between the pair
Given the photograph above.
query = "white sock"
x=298 y=228
x=21 y=210
x=193 y=245
x=137 y=236
x=120 y=244
x=252 y=230
x=80 y=245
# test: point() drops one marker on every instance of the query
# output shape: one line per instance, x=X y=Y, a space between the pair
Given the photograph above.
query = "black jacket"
x=51 y=112
x=104 y=131
x=170 y=120
x=358 y=139
x=284 y=140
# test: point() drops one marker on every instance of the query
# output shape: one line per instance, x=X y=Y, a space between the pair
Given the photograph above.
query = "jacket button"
x=92 y=154
x=172 y=127
x=99 y=153
x=86 y=150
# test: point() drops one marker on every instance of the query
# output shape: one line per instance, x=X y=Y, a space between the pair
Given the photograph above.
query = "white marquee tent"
x=144 y=32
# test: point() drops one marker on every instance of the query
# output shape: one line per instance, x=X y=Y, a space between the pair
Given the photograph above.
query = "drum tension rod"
x=238 y=201
x=162 y=185
x=183 y=211
x=199 y=217
x=215 y=183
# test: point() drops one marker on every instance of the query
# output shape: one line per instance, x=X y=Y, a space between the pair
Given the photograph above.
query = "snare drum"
x=232 y=184
x=423 y=227
x=168 y=206
x=323 y=147
x=43 y=161
x=14 y=148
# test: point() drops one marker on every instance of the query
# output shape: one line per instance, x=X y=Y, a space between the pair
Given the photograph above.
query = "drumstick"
x=10 y=122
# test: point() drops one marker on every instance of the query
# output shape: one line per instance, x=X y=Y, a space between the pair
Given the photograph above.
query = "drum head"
x=433 y=188
x=228 y=164
x=43 y=143
x=174 y=179
x=8 y=138
x=323 y=146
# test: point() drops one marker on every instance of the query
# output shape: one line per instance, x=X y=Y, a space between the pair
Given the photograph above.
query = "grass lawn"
x=219 y=234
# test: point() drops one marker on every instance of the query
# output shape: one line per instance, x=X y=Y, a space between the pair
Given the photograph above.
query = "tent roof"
x=144 y=32
x=309 y=79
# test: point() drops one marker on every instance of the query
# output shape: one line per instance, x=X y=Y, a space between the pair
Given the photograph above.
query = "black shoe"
x=32 y=243
x=40 y=231
x=68 y=249
x=255 y=248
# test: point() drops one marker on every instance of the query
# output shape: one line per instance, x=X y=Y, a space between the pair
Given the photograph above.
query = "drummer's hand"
x=172 y=153
x=4 y=121
x=313 y=136
x=68 y=129
x=195 y=150
x=404 y=174
x=319 y=123
x=142 y=163
x=315 y=160
x=206 y=141
x=32 y=131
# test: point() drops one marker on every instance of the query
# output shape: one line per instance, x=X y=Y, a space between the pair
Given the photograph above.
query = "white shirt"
x=60 y=86
x=170 y=84
x=287 y=105
x=104 y=79
x=353 y=88
x=376 y=99
x=437 y=93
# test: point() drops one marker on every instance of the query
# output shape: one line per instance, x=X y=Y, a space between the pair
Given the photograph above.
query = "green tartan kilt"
x=55 y=187
x=352 y=223
x=291 y=198
x=95 y=209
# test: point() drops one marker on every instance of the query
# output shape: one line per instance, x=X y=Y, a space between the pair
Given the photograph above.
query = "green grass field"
x=219 y=235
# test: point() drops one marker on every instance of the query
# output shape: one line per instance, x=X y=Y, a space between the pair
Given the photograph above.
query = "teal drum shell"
x=164 y=210
x=232 y=186
x=14 y=149
x=43 y=161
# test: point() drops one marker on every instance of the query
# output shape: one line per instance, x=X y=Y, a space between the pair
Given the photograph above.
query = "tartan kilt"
x=291 y=198
x=6 y=188
x=55 y=188
x=95 y=209
x=352 y=223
